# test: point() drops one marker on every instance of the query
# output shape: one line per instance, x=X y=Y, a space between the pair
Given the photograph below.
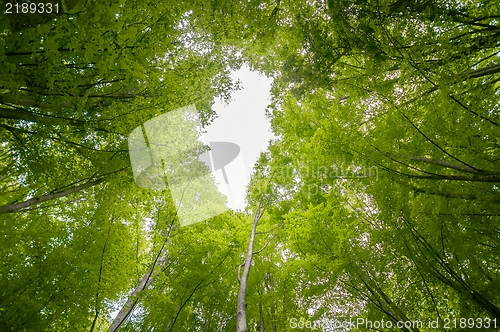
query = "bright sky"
x=244 y=123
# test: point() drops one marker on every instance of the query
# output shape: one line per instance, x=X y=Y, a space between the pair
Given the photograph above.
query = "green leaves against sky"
x=382 y=185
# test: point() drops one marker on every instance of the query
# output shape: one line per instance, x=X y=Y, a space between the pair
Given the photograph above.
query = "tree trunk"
x=20 y=114
x=459 y=167
x=488 y=70
x=53 y=195
x=23 y=101
x=241 y=315
x=143 y=284
x=385 y=304
x=36 y=200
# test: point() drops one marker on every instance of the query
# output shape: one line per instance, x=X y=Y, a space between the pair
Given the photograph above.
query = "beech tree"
x=384 y=170
x=379 y=103
x=71 y=91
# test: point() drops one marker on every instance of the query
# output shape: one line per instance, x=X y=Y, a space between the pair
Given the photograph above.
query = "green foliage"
x=392 y=108
x=382 y=182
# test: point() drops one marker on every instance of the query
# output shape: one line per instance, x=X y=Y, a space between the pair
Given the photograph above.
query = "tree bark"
x=22 y=101
x=40 y=199
x=13 y=207
x=20 y=114
x=241 y=313
x=488 y=70
x=474 y=178
x=458 y=167
x=385 y=304
x=143 y=284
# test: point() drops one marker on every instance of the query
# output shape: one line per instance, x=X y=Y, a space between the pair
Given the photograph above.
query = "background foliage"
x=382 y=182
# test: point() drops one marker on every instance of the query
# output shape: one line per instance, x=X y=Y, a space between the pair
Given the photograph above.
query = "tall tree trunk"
x=21 y=114
x=458 y=167
x=40 y=199
x=384 y=303
x=53 y=195
x=143 y=284
x=13 y=207
x=241 y=314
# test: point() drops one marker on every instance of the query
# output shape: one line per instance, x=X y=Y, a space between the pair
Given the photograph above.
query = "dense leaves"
x=381 y=188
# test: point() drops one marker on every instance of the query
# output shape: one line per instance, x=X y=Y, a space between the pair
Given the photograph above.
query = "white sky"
x=242 y=122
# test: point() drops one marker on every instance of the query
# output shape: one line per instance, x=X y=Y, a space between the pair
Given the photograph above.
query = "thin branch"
x=265 y=245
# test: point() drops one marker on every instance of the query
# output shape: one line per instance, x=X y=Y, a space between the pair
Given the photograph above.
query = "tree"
x=241 y=316
x=70 y=95
x=384 y=171
x=368 y=105
x=71 y=91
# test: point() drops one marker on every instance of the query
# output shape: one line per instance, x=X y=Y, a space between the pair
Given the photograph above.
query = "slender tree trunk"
x=241 y=316
x=22 y=101
x=143 y=284
x=489 y=70
x=30 y=102
x=13 y=207
x=384 y=303
x=273 y=303
x=241 y=313
x=478 y=175
x=97 y=310
x=20 y=114
x=456 y=195
x=36 y=200
x=473 y=178
x=459 y=167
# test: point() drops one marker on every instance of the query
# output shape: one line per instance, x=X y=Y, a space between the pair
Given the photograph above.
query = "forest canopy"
x=376 y=203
